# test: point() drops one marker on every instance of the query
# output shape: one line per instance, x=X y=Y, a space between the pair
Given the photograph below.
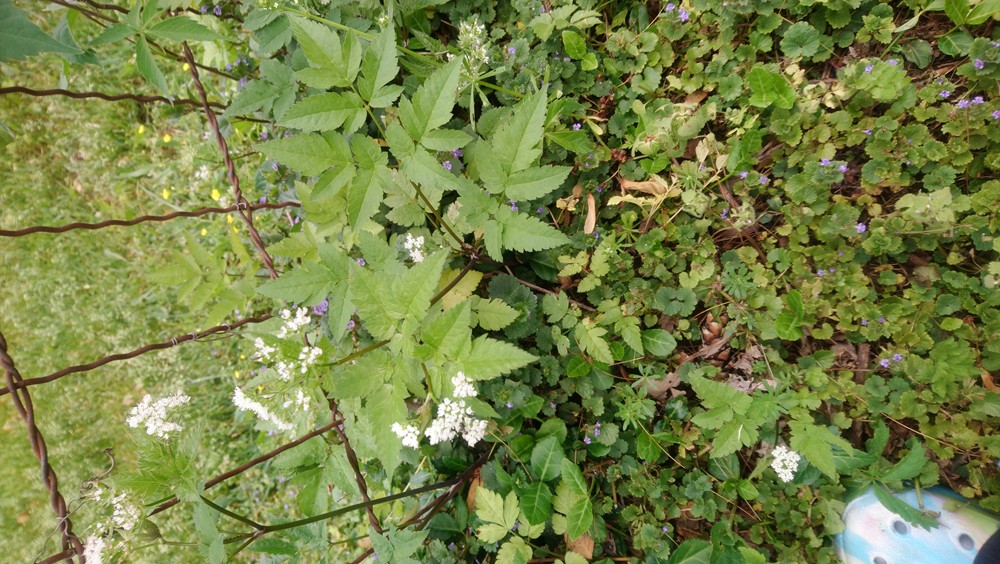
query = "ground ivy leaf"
x=769 y=88
x=800 y=40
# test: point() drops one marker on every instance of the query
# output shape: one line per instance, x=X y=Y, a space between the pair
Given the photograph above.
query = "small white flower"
x=264 y=351
x=301 y=401
x=785 y=462
x=464 y=388
x=308 y=356
x=414 y=246
x=293 y=324
x=243 y=403
x=409 y=434
x=454 y=418
x=126 y=514
x=93 y=550
x=154 y=414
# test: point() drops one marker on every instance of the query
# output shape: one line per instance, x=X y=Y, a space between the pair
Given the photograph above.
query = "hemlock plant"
x=626 y=252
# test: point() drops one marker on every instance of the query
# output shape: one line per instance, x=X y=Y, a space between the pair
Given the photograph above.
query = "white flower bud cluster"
x=472 y=41
x=154 y=414
x=464 y=388
x=243 y=403
x=409 y=434
x=785 y=462
x=93 y=550
x=293 y=324
x=454 y=418
x=264 y=351
x=126 y=515
x=308 y=356
x=414 y=246
x=301 y=401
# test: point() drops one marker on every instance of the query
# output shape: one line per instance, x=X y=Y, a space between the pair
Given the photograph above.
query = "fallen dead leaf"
x=591 y=222
x=583 y=545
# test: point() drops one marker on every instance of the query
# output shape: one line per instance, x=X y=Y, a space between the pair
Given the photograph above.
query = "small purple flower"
x=597 y=235
x=893 y=62
x=763 y=180
x=869 y=68
x=962 y=104
x=513 y=205
x=725 y=213
x=286 y=507
x=978 y=100
x=229 y=67
x=979 y=64
x=824 y=162
x=669 y=7
x=664 y=529
x=321 y=308
x=864 y=323
x=263 y=135
x=350 y=324
x=511 y=50
x=682 y=15
x=262 y=200
x=861 y=228
x=509 y=405
x=446 y=165
x=577 y=126
x=743 y=175
x=842 y=168
x=203 y=9
x=897 y=357
x=600 y=188
x=996 y=114
x=821 y=272
x=274 y=166
x=360 y=261
x=243 y=82
x=217 y=10
x=552 y=404
x=868 y=132
x=881 y=319
x=457 y=153
x=586 y=440
x=541 y=211
x=598 y=424
x=944 y=93
x=566 y=59
x=884 y=363
x=597 y=432
x=296 y=220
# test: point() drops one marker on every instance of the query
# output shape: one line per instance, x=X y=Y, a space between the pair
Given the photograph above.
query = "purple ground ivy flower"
x=446 y=165
x=725 y=213
x=586 y=440
x=577 y=126
x=884 y=363
x=963 y=104
x=979 y=64
x=864 y=323
x=824 y=162
x=511 y=50
x=842 y=168
x=682 y=15
x=541 y=211
x=217 y=10
x=350 y=324
x=669 y=7
x=821 y=272
x=861 y=228
x=897 y=357
x=274 y=166
x=262 y=200
x=764 y=180
x=945 y=93
x=361 y=261
x=893 y=62
x=513 y=205
x=457 y=153
x=321 y=308
x=978 y=100
x=869 y=68
x=868 y=132
x=996 y=114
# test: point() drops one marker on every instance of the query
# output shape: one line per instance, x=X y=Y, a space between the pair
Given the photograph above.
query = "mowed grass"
x=72 y=298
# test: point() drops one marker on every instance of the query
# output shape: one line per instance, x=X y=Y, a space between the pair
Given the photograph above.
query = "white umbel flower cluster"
x=414 y=246
x=409 y=434
x=93 y=550
x=785 y=462
x=464 y=388
x=243 y=403
x=293 y=324
x=455 y=418
x=126 y=514
x=154 y=414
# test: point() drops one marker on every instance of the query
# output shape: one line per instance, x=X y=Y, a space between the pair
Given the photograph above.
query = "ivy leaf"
x=522 y=232
x=322 y=112
x=20 y=38
x=534 y=183
x=490 y=358
x=378 y=65
x=800 y=40
x=432 y=103
x=769 y=88
x=183 y=28
x=147 y=66
x=309 y=153
x=536 y=502
x=546 y=459
x=517 y=143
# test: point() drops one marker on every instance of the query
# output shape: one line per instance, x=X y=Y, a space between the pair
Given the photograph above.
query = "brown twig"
x=136 y=221
x=352 y=459
x=246 y=214
x=103 y=96
x=225 y=328
x=25 y=408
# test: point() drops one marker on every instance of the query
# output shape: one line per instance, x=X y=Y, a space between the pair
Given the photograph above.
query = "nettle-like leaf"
x=522 y=232
x=182 y=28
x=323 y=112
x=495 y=314
x=517 y=143
x=490 y=358
x=19 y=38
x=816 y=444
x=379 y=67
x=500 y=514
x=432 y=103
x=534 y=183
x=573 y=500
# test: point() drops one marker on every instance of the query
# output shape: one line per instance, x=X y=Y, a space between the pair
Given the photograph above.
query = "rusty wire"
x=136 y=220
x=103 y=96
x=25 y=407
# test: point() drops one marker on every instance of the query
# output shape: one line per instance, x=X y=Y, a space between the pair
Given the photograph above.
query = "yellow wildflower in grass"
x=236 y=374
x=165 y=194
x=236 y=229
x=215 y=194
x=167 y=138
x=142 y=129
x=204 y=231
x=229 y=219
x=186 y=67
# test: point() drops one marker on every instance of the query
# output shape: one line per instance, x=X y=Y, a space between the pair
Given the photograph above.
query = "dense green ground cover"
x=623 y=251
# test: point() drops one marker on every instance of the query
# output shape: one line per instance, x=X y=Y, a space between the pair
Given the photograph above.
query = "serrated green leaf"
x=535 y=182
x=495 y=314
x=20 y=38
x=447 y=333
x=322 y=112
x=575 y=141
x=308 y=283
x=815 y=444
x=319 y=43
x=490 y=358
x=574 y=44
x=573 y=478
x=412 y=292
x=769 y=88
x=514 y=551
x=909 y=467
x=257 y=95
x=364 y=195
x=383 y=408
x=445 y=139
x=308 y=153
x=433 y=101
x=536 y=502
x=517 y=143
x=591 y=340
x=183 y=28
x=522 y=232
x=546 y=459
x=911 y=514
x=378 y=65
x=147 y=66
x=110 y=34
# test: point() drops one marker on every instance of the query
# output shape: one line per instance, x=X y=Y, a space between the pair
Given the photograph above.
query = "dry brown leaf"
x=591 y=222
x=988 y=382
x=695 y=97
x=584 y=545
x=470 y=500
x=657 y=389
x=647 y=186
